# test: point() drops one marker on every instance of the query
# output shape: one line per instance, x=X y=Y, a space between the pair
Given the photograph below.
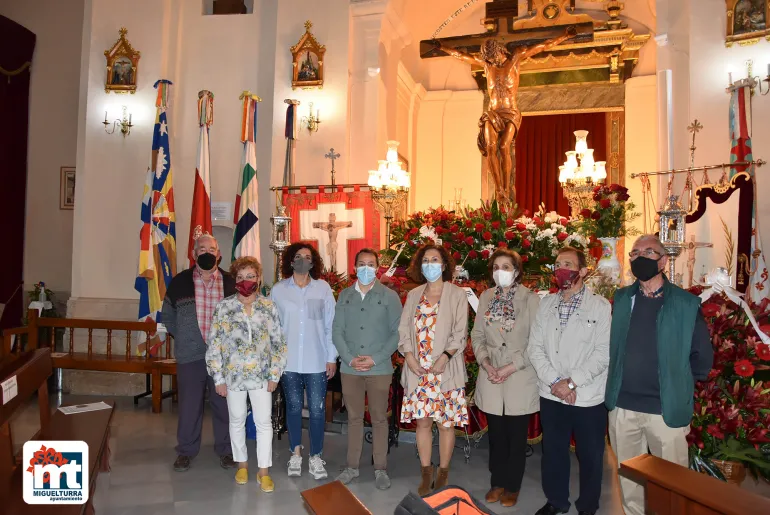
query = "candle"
x=730 y=77
x=105 y=116
x=768 y=69
x=129 y=118
x=318 y=115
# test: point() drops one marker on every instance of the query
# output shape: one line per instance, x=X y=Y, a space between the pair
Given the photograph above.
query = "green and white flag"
x=246 y=237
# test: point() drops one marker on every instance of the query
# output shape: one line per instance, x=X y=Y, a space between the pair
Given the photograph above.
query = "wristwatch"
x=571 y=385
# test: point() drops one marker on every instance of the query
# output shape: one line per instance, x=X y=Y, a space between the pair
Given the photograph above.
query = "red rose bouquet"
x=608 y=216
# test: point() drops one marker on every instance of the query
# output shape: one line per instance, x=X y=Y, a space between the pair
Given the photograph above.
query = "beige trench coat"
x=518 y=394
x=451 y=334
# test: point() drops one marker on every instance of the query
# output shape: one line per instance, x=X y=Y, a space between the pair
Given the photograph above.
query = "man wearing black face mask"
x=659 y=347
x=187 y=313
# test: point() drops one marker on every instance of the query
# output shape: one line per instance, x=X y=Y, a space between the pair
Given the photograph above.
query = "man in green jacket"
x=659 y=347
x=365 y=332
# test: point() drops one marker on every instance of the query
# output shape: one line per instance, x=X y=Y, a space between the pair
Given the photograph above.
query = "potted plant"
x=730 y=430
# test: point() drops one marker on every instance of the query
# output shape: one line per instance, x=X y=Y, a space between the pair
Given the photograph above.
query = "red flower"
x=743 y=368
x=479 y=227
x=456 y=256
x=509 y=235
x=553 y=289
x=623 y=196
x=524 y=258
x=469 y=240
x=538 y=222
x=487 y=216
x=440 y=230
x=487 y=235
x=714 y=431
x=596 y=215
x=485 y=254
x=597 y=197
x=413 y=231
x=495 y=225
x=447 y=245
x=509 y=222
x=710 y=309
x=454 y=228
x=525 y=234
x=527 y=213
x=585 y=213
x=469 y=223
x=763 y=351
x=562 y=236
x=605 y=203
x=526 y=244
x=520 y=226
x=444 y=217
x=615 y=187
x=597 y=189
x=502 y=244
x=563 y=221
x=473 y=254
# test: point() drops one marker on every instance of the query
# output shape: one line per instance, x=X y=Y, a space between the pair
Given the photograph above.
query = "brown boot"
x=494 y=495
x=509 y=499
x=442 y=478
x=426 y=482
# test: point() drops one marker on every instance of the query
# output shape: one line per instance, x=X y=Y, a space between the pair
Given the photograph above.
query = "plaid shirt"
x=567 y=307
x=207 y=296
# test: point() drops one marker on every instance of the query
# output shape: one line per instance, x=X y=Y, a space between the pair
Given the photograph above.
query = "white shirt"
x=307 y=315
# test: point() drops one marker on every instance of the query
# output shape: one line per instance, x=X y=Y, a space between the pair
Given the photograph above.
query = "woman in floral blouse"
x=247 y=356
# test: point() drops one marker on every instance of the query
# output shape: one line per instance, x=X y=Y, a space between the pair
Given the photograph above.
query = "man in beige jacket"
x=569 y=348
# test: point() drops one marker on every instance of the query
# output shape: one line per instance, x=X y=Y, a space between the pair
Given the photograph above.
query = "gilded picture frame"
x=307 y=61
x=747 y=21
x=67 y=188
x=122 y=66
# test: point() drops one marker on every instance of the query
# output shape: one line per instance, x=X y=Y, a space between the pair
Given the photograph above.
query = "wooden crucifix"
x=500 y=51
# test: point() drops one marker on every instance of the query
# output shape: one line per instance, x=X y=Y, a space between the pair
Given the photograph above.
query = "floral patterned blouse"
x=245 y=350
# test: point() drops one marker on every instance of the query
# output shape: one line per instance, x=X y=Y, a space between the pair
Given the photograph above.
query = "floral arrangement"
x=472 y=235
x=610 y=214
x=732 y=407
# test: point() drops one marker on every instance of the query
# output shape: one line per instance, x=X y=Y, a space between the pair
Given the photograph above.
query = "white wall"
x=53 y=109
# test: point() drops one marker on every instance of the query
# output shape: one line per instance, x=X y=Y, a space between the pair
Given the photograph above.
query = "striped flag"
x=246 y=215
x=291 y=134
x=740 y=139
x=157 y=254
x=200 y=218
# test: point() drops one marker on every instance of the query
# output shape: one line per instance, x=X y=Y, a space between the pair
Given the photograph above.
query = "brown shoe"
x=494 y=495
x=182 y=463
x=509 y=499
x=226 y=461
x=442 y=478
x=426 y=481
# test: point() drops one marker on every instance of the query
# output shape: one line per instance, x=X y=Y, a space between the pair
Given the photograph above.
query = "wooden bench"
x=332 y=499
x=120 y=359
x=674 y=490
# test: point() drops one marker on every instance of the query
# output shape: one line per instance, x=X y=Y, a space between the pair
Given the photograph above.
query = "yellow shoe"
x=242 y=476
x=266 y=484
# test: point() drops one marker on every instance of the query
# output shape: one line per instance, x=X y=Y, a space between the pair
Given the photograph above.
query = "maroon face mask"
x=566 y=278
x=246 y=288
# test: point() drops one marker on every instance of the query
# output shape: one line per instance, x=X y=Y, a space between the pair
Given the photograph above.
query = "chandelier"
x=389 y=185
x=580 y=173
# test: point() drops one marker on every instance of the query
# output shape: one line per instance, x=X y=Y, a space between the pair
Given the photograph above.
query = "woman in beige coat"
x=506 y=390
x=433 y=335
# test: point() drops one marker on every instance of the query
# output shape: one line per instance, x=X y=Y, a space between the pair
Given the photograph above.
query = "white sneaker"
x=317 y=467
x=295 y=466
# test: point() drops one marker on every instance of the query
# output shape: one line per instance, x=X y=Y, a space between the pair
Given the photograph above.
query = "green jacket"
x=367 y=327
x=676 y=322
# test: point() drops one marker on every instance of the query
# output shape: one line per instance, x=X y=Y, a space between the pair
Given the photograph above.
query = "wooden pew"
x=333 y=499
x=674 y=490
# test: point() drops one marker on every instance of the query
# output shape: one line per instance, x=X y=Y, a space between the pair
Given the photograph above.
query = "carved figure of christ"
x=332 y=227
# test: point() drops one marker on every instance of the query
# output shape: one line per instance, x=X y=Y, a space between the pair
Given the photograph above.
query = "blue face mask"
x=365 y=274
x=432 y=271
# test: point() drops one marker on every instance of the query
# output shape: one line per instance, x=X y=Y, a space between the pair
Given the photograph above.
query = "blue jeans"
x=294 y=385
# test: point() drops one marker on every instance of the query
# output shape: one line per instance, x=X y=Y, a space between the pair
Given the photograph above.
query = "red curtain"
x=540 y=147
x=16 y=47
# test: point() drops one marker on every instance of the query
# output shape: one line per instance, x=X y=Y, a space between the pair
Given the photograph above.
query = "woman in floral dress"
x=246 y=357
x=433 y=335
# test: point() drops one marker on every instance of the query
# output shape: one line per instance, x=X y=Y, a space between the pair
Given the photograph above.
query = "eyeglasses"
x=250 y=277
x=648 y=253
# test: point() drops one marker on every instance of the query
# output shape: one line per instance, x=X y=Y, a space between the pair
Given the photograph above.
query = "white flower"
x=523 y=220
x=531 y=226
x=545 y=233
x=490 y=248
x=557 y=227
x=428 y=232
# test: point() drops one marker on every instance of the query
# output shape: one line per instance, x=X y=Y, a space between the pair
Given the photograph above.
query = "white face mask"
x=504 y=278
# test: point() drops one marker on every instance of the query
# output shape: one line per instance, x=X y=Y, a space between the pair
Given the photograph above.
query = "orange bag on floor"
x=450 y=500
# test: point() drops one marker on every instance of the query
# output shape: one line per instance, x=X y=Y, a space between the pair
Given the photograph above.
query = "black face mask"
x=644 y=268
x=206 y=261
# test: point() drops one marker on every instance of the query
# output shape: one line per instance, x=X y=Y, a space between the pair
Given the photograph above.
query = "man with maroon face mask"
x=569 y=349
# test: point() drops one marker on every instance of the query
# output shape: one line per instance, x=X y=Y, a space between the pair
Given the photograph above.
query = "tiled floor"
x=142 y=480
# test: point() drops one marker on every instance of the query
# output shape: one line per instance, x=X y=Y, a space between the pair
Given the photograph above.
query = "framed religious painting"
x=307 y=61
x=746 y=21
x=122 y=66
x=67 y=188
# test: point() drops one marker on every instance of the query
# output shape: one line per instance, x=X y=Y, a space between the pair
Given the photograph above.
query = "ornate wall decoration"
x=746 y=21
x=122 y=66
x=307 y=61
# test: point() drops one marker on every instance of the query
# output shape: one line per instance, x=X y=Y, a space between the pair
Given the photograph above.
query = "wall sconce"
x=311 y=123
x=750 y=80
x=125 y=123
